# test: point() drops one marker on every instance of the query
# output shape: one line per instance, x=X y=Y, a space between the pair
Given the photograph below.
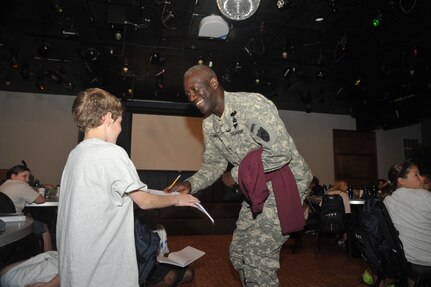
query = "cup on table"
x=41 y=191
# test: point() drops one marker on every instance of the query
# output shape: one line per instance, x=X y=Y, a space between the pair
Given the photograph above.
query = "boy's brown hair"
x=91 y=105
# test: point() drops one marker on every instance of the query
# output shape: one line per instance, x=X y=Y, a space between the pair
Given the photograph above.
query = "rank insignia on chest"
x=234 y=120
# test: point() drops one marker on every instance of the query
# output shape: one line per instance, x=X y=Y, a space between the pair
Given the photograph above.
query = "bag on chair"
x=332 y=214
x=378 y=241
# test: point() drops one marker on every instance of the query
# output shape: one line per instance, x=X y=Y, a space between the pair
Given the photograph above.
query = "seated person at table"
x=20 y=192
x=340 y=187
x=315 y=188
x=40 y=270
x=409 y=207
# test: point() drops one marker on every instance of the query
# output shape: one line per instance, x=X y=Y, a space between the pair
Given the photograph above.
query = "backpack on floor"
x=378 y=241
x=332 y=214
x=147 y=245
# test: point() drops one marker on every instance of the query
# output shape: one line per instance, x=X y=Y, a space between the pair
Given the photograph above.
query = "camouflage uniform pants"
x=256 y=245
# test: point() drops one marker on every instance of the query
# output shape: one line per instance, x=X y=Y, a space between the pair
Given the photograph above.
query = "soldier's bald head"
x=202 y=71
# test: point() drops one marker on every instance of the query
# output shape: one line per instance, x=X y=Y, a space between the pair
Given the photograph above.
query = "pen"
x=172 y=184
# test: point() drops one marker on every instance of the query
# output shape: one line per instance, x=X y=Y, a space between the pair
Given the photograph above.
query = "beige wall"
x=390 y=146
x=312 y=133
x=39 y=129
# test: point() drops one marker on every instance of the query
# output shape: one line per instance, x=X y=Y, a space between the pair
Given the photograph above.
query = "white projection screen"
x=162 y=142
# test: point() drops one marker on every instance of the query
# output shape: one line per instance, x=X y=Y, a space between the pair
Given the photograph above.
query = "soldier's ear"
x=214 y=83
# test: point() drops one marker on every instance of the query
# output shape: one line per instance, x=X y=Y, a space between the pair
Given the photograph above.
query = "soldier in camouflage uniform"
x=234 y=125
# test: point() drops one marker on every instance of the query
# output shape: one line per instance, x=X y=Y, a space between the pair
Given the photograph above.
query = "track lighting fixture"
x=54 y=76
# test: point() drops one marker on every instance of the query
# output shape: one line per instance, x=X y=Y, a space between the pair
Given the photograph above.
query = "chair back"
x=6 y=204
x=332 y=218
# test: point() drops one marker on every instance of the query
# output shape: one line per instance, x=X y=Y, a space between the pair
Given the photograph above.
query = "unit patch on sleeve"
x=267 y=136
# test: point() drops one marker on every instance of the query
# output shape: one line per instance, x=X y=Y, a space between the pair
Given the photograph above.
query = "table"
x=50 y=202
x=16 y=231
x=356 y=201
x=317 y=199
x=47 y=213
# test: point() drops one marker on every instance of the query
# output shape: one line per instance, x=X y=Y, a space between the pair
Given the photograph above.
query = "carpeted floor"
x=332 y=266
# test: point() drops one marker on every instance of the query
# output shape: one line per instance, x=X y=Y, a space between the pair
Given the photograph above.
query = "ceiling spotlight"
x=319 y=19
x=282 y=4
x=110 y=51
x=90 y=54
x=238 y=9
x=156 y=58
x=39 y=83
x=8 y=80
x=210 y=63
x=321 y=66
x=284 y=54
x=237 y=67
x=118 y=36
x=377 y=20
x=43 y=49
x=200 y=60
x=160 y=73
x=68 y=85
x=358 y=82
x=332 y=6
x=58 y=8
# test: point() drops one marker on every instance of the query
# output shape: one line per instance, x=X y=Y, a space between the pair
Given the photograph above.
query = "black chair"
x=6 y=204
x=332 y=218
x=420 y=274
x=311 y=225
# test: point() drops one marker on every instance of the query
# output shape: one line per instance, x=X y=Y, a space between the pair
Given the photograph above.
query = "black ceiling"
x=342 y=65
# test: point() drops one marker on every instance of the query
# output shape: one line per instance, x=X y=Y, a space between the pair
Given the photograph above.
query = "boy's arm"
x=147 y=200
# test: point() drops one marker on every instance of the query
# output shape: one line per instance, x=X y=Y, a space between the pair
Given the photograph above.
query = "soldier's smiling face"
x=200 y=92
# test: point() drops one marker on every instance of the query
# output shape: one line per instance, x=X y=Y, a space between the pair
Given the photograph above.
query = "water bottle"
x=350 y=191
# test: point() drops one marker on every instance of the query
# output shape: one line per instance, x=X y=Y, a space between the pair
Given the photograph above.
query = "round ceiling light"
x=238 y=9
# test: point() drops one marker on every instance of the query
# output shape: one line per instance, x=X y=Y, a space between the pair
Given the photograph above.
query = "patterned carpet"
x=330 y=267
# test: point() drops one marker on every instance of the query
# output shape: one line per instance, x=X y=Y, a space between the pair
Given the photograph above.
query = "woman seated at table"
x=340 y=187
x=409 y=207
x=16 y=187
